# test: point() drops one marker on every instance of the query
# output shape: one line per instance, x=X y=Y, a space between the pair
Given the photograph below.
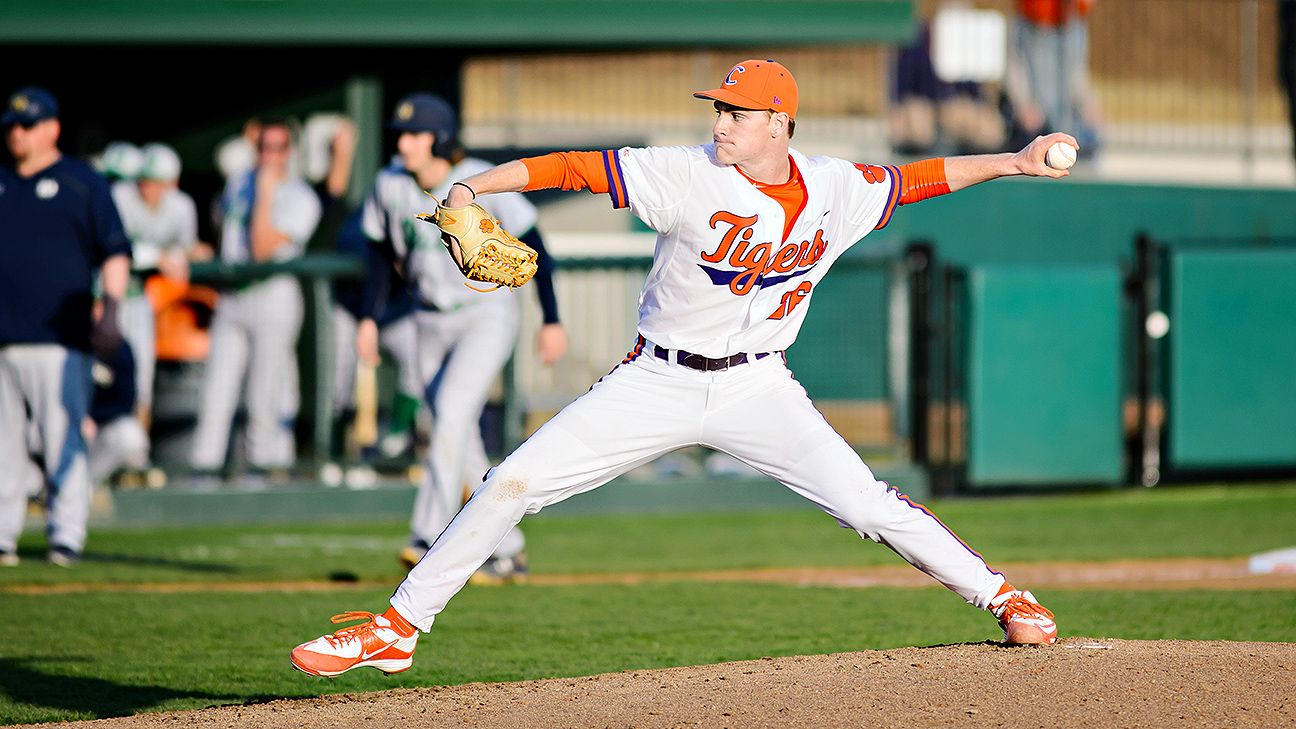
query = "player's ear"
x=778 y=123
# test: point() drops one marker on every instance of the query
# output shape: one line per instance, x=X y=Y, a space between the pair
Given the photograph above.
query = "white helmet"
x=316 y=150
x=121 y=160
x=234 y=156
x=160 y=163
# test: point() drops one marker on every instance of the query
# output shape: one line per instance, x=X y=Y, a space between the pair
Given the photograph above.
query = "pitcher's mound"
x=1080 y=682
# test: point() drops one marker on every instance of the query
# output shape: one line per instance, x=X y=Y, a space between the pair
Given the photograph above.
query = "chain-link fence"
x=1164 y=77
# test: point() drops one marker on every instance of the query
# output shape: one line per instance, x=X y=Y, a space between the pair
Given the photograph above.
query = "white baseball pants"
x=461 y=353
x=254 y=336
x=139 y=329
x=646 y=407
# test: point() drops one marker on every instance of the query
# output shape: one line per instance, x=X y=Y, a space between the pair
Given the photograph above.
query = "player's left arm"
x=112 y=245
x=114 y=276
x=966 y=171
x=551 y=340
x=918 y=181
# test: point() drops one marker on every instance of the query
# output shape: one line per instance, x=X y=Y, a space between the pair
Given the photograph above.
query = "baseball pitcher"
x=747 y=228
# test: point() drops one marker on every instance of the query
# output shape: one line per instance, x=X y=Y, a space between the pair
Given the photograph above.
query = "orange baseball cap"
x=757 y=84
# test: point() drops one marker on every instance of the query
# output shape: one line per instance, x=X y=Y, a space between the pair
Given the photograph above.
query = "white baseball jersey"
x=389 y=212
x=295 y=212
x=723 y=279
x=174 y=224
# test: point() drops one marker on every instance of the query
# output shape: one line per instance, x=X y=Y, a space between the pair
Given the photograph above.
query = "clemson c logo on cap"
x=730 y=80
x=405 y=111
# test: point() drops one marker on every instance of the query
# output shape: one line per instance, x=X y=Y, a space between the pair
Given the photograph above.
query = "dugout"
x=190 y=74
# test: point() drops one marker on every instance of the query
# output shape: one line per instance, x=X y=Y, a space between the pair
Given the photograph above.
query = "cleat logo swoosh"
x=366 y=655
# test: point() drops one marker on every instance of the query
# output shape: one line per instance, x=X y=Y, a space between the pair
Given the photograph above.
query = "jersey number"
x=790 y=300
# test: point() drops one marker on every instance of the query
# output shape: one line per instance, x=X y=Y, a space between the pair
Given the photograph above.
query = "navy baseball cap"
x=28 y=106
x=424 y=113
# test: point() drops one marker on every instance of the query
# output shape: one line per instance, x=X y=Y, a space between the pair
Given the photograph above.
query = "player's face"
x=415 y=149
x=741 y=135
x=152 y=191
x=27 y=141
x=275 y=146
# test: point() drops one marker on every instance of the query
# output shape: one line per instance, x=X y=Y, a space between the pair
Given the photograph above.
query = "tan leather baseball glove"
x=481 y=248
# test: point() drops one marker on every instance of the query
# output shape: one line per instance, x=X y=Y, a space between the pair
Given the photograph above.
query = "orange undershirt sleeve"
x=598 y=172
x=922 y=180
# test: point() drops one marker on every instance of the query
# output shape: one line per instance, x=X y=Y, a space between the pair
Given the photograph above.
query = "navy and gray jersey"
x=295 y=213
x=389 y=211
x=57 y=227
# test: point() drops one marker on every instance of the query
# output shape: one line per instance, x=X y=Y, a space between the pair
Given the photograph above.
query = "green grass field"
x=101 y=652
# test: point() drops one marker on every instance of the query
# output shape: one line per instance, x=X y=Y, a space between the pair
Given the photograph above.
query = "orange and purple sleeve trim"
x=594 y=171
x=910 y=183
x=885 y=173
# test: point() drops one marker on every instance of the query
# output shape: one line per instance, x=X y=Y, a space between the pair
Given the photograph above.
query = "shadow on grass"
x=38 y=555
x=22 y=683
x=93 y=557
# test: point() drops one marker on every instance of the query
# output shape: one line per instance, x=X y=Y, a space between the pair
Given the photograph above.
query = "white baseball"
x=1158 y=324
x=1060 y=156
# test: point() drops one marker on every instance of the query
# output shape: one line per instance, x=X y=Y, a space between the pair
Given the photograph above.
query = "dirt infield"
x=1151 y=574
x=1080 y=682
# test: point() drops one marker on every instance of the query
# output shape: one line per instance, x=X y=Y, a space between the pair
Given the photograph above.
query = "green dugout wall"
x=1230 y=358
x=1043 y=375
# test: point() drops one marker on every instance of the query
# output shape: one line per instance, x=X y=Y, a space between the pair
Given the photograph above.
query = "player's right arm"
x=565 y=170
x=508 y=177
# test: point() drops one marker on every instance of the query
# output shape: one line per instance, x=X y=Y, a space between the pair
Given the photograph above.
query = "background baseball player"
x=747 y=227
x=116 y=438
x=162 y=222
x=397 y=335
x=464 y=338
x=119 y=160
x=58 y=228
x=267 y=214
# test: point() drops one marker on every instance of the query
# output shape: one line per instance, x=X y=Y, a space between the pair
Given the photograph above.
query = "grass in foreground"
x=1214 y=521
x=93 y=655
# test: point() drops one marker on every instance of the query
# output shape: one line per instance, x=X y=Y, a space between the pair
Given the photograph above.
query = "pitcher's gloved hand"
x=481 y=248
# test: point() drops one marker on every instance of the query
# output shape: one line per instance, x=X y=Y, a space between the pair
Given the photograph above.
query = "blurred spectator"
x=116 y=438
x=327 y=151
x=60 y=227
x=266 y=214
x=1047 y=79
x=119 y=161
x=931 y=115
x=162 y=222
x=1287 y=60
x=397 y=335
x=238 y=154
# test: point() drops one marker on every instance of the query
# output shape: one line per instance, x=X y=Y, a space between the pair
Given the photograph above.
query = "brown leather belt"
x=706 y=364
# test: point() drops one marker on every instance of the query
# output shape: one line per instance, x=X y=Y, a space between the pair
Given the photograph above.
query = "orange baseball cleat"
x=1024 y=621
x=385 y=642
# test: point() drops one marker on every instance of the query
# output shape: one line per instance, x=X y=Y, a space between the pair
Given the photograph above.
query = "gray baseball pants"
x=47 y=386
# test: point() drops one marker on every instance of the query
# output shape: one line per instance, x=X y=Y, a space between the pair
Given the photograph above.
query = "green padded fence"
x=1231 y=363
x=1043 y=376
